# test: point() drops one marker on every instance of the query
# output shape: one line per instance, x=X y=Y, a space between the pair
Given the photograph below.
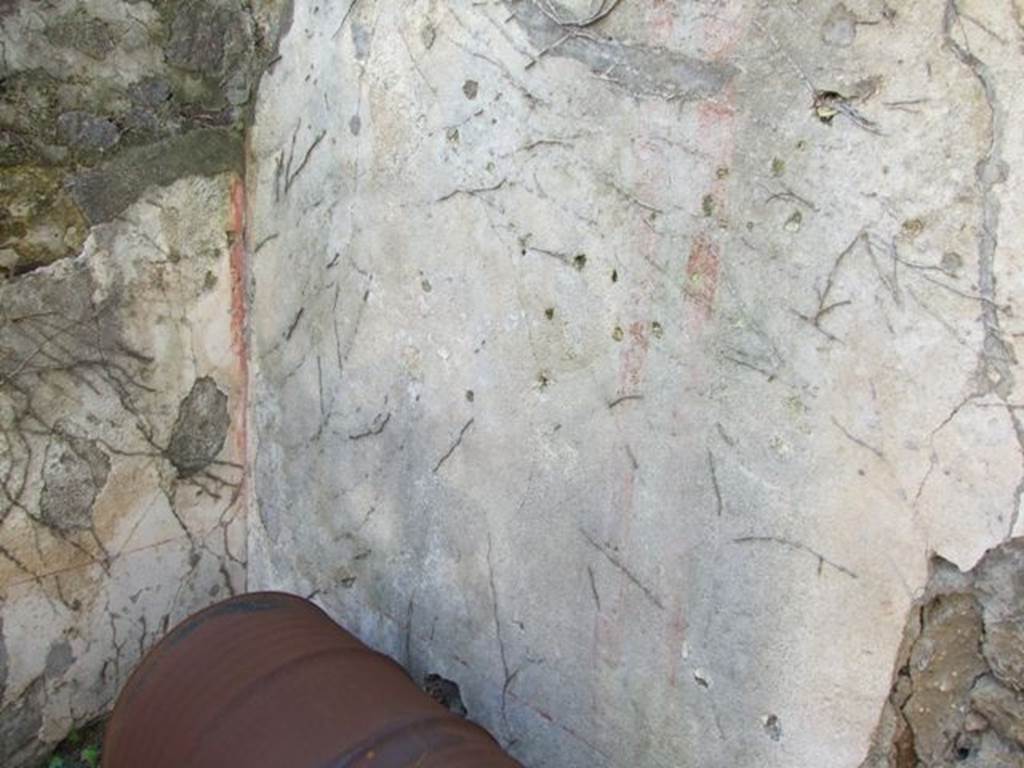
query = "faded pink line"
x=239 y=334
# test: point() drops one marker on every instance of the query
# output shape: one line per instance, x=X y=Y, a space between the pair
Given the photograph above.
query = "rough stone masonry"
x=641 y=374
x=122 y=352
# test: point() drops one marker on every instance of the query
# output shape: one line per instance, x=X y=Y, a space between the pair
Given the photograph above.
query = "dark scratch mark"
x=375 y=429
x=320 y=385
x=824 y=306
x=558 y=255
x=796 y=545
x=1018 y=492
x=857 y=440
x=750 y=366
x=408 y=632
x=290 y=177
x=714 y=483
x=593 y=588
x=509 y=677
x=905 y=104
x=263 y=242
x=471 y=191
x=953 y=413
x=623 y=570
x=933 y=459
x=791 y=196
x=632 y=457
x=623 y=399
x=456 y=444
x=342 y=355
x=348 y=12
x=294 y=325
x=729 y=440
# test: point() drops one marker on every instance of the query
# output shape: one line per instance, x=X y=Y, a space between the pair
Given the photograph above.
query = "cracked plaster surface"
x=114 y=524
x=628 y=363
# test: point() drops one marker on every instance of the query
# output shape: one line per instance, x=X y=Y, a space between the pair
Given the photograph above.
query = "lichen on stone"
x=39 y=222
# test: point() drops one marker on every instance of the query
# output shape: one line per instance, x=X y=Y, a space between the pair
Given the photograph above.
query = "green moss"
x=29 y=102
x=81 y=749
x=39 y=221
x=16 y=149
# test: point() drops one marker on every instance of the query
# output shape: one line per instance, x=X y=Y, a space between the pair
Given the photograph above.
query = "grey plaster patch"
x=362 y=36
x=103 y=192
x=840 y=27
x=74 y=472
x=59 y=659
x=20 y=722
x=200 y=428
x=642 y=69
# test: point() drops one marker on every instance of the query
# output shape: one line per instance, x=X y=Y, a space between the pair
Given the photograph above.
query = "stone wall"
x=641 y=375
x=629 y=364
x=121 y=406
x=122 y=348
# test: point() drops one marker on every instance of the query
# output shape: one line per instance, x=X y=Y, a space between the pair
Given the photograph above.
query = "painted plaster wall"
x=629 y=365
